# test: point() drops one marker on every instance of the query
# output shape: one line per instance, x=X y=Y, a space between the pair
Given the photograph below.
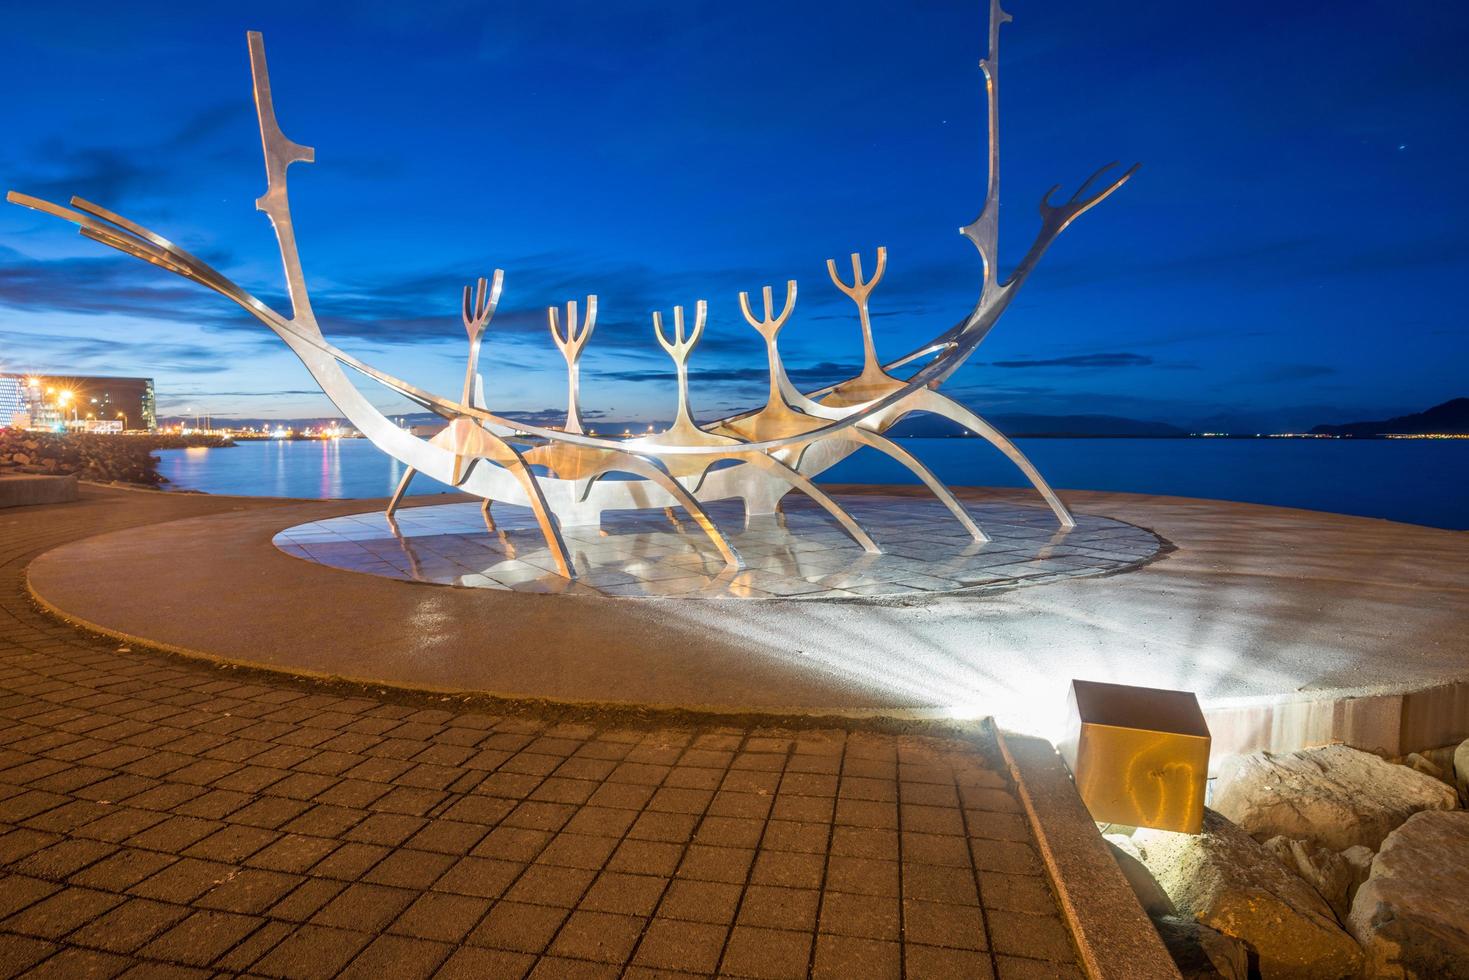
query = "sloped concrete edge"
x=1115 y=939
x=34 y=490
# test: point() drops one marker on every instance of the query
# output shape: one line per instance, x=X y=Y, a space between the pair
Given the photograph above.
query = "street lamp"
x=124 y=417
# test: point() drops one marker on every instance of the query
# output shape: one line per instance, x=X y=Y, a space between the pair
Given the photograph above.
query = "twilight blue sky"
x=1292 y=251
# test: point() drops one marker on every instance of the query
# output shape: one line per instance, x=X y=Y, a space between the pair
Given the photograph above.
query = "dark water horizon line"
x=1414 y=481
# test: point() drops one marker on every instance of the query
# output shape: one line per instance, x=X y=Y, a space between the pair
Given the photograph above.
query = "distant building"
x=53 y=401
x=15 y=407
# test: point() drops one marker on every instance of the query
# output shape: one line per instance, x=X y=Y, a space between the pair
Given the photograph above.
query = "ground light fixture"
x=1139 y=755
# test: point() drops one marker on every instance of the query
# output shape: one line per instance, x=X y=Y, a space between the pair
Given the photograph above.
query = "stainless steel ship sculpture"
x=774 y=450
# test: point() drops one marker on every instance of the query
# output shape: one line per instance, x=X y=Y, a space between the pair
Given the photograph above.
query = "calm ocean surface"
x=1418 y=481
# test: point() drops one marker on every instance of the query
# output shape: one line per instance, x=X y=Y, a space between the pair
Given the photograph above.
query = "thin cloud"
x=61 y=167
x=48 y=352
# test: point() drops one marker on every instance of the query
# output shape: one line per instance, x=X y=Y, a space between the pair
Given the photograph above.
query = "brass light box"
x=1139 y=755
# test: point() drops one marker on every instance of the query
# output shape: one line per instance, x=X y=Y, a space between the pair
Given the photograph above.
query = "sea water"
x=1420 y=481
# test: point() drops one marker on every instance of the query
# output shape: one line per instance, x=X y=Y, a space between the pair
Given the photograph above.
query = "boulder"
x=1333 y=875
x=1225 y=879
x=1412 y=914
x=1421 y=763
x=1359 y=859
x=1201 y=953
x=1150 y=894
x=1461 y=770
x=1334 y=796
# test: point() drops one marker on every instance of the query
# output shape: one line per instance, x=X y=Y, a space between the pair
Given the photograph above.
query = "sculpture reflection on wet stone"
x=766 y=453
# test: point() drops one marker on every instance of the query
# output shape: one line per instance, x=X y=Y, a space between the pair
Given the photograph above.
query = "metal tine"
x=770 y=326
x=658 y=330
x=1086 y=184
x=680 y=346
x=480 y=300
x=480 y=306
x=571 y=346
x=858 y=293
x=497 y=284
x=467 y=312
x=575 y=338
x=701 y=310
x=590 y=322
x=1079 y=203
x=860 y=288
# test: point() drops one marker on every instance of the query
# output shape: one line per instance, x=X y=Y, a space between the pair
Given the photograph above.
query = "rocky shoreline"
x=100 y=458
x=1323 y=863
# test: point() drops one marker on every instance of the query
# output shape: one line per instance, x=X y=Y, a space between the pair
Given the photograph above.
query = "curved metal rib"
x=469 y=443
x=938 y=404
x=915 y=466
x=583 y=468
x=811 y=490
x=398 y=494
x=550 y=530
x=653 y=470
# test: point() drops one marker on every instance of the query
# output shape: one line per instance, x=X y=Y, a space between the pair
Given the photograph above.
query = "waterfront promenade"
x=168 y=817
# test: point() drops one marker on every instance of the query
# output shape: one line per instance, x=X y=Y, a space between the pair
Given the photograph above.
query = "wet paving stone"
x=796 y=554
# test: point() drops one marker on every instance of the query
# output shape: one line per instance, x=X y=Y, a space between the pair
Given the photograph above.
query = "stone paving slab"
x=160 y=817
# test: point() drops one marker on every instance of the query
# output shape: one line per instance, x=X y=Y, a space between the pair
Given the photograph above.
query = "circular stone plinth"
x=1275 y=618
x=799 y=553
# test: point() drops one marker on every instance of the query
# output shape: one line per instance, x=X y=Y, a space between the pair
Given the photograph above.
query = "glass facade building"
x=49 y=401
x=14 y=403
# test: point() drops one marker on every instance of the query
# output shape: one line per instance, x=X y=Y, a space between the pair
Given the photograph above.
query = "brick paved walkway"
x=165 y=818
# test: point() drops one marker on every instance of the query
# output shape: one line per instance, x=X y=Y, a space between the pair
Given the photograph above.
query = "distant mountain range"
x=1021 y=424
x=1450 y=418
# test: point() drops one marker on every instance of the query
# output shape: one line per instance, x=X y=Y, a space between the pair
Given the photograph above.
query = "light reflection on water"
x=1418 y=481
x=327 y=468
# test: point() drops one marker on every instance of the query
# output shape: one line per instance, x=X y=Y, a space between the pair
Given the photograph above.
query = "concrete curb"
x=1115 y=939
x=36 y=489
